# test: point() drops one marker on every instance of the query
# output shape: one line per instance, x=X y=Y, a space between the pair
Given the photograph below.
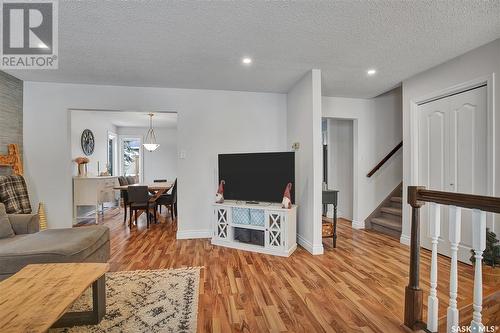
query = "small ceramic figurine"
x=219 y=196
x=287 y=198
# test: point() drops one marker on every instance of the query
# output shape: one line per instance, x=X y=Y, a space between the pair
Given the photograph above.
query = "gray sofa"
x=25 y=244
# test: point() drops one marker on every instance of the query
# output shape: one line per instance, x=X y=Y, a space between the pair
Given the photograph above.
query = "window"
x=131 y=156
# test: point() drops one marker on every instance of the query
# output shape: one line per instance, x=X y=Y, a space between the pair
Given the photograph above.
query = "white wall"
x=377 y=130
x=209 y=122
x=162 y=163
x=304 y=127
x=80 y=120
x=483 y=61
x=340 y=164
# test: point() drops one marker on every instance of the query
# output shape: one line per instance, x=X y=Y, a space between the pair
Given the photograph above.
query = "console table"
x=92 y=191
x=264 y=227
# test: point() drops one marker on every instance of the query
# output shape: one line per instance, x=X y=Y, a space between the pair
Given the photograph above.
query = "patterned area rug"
x=146 y=301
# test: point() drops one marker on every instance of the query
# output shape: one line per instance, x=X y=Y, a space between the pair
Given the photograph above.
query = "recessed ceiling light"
x=371 y=72
x=246 y=60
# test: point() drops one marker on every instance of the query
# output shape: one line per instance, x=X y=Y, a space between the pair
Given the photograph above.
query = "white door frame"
x=356 y=222
x=116 y=153
x=489 y=80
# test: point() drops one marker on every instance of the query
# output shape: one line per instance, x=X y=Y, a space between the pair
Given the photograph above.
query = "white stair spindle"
x=454 y=236
x=478 y=245
x=434 y=231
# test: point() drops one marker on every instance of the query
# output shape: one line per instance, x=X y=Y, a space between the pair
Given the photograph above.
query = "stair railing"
x=417 y=197
x=385 y=159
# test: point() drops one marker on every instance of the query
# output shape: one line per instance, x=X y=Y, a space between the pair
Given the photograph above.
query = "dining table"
x=157 y=188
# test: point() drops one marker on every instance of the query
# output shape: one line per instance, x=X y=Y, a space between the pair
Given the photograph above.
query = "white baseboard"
x=358 y=224
x=253 y=248
x=313 y=249
x=404 y=240
x=191 y=234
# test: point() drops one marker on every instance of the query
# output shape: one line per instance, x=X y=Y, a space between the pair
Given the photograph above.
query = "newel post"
x=413 y=293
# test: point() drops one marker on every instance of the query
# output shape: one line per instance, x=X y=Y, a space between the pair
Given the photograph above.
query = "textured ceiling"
x=132 y=119
x=199 y=44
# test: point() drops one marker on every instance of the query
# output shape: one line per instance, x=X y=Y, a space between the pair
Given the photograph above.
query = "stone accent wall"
x=11 y=114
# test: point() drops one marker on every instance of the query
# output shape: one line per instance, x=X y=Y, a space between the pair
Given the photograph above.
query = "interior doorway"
x=117 y=150
x=339 y=164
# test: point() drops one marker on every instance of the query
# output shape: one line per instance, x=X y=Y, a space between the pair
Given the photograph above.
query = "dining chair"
x=124 y=196
x=169 y=201
x=131 y=180
x=139 y=199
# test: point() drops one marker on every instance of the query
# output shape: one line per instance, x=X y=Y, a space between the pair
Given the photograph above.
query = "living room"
x=252 y=79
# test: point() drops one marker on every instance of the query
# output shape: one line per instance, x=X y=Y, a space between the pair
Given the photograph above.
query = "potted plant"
x=491 y=258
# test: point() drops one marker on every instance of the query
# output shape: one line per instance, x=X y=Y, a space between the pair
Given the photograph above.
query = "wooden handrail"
x=385 y=159
x=417 y=197
x=471 y=201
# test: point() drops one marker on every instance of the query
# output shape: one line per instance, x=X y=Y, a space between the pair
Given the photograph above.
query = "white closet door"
x=452 y=157
x=433 y=157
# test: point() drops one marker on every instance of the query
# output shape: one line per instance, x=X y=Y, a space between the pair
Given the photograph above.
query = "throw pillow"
x=14 y=194
x=5 y=227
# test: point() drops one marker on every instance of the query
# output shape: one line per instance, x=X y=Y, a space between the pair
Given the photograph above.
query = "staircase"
x=387 y=217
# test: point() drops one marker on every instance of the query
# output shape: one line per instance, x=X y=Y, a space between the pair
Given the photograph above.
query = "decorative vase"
x=82 y=170
x=82 y=166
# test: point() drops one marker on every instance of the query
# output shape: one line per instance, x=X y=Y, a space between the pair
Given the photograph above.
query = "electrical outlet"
x=182 y=154
x=296 y=146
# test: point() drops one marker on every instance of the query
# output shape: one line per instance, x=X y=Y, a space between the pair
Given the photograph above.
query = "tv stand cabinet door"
x=222 y=220
x=275 y=230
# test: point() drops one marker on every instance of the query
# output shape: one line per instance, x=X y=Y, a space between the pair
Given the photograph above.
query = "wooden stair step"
x=397 y=199
x=387 y=223
x=392 y=210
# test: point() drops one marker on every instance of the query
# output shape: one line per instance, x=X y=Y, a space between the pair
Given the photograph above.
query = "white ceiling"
x=199 y=44
x=132 y=119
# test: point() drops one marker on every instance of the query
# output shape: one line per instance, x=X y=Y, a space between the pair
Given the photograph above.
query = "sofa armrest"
x=24 y=223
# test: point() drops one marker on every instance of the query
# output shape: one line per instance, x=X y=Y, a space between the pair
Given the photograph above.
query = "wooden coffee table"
x=38 y=296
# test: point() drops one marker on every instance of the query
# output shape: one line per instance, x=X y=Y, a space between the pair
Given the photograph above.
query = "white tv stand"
x=237 y=224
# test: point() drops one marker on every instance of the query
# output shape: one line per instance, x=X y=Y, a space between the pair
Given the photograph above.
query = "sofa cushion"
x=52 y=246
x=6 y=230
x=14 y=194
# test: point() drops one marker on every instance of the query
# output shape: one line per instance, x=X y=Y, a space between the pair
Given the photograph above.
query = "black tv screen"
x=257 y=176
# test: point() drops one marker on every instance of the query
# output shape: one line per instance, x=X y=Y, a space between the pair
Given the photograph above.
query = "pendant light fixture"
x=150 y=139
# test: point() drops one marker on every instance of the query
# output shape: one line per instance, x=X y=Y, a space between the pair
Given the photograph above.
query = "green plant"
x=491 y=255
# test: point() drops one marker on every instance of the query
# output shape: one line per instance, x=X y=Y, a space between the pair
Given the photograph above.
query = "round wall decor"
x=88 y=142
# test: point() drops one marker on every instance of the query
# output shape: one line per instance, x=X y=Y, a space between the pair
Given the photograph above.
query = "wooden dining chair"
x=139 y=199
x=124 y=196
x=131 y=180
x=169 y=201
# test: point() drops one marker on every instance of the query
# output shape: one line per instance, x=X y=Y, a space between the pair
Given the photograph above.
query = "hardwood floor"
x=357 y=287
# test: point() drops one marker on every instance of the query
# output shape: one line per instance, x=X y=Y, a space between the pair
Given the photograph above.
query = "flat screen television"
x=257 y=176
